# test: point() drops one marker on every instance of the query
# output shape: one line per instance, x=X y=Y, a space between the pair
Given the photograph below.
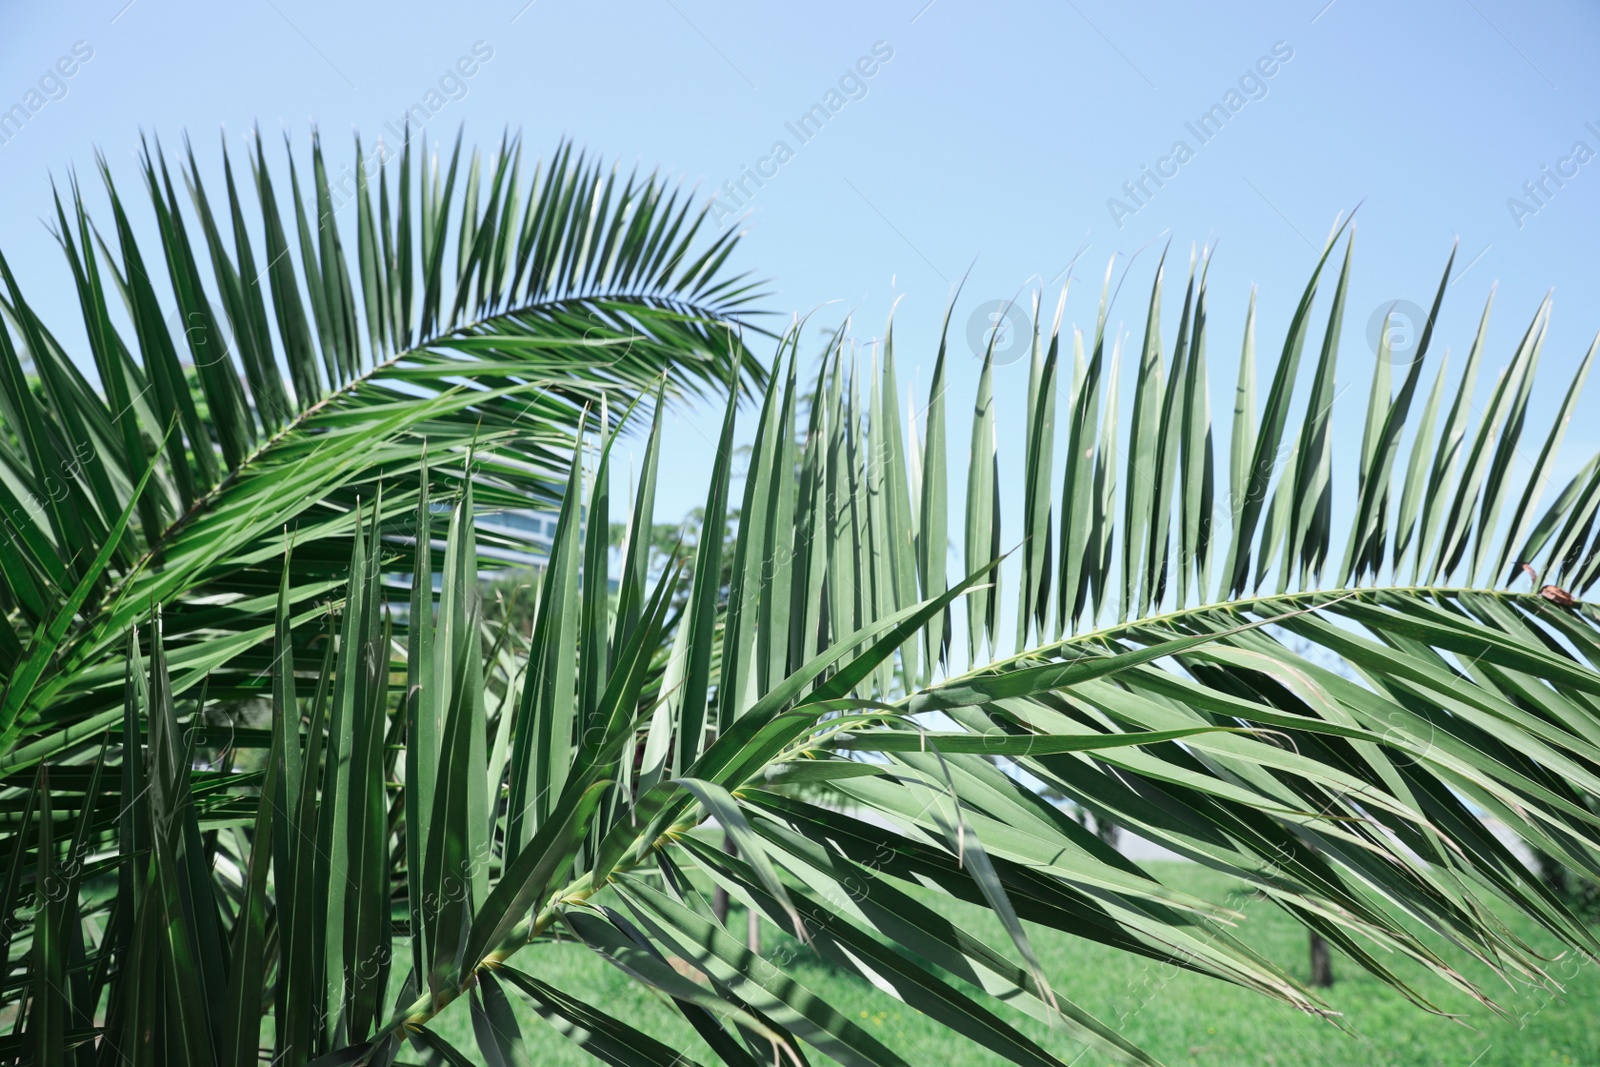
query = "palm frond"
x=483 y=311
x=797 y=737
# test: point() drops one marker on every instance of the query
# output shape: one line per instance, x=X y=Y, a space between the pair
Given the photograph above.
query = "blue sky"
x=993 y=136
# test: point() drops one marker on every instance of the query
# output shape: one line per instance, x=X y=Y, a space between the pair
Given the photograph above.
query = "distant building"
x=511 y=540
x=508 y=541
x=522 y=540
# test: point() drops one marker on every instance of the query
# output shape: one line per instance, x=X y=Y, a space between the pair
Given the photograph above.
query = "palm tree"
x=271 y=795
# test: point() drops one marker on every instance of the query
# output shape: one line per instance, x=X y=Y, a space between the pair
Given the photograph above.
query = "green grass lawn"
x=1181 y=1018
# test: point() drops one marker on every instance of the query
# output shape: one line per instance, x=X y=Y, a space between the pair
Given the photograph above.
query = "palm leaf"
x=587 y=784
x=243 y=433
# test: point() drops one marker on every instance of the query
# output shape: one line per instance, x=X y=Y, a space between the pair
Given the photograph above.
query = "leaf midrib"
x=1287 y=600
x=205 y=500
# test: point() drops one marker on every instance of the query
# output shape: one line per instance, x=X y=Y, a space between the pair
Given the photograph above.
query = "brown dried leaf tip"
x=1558 y=596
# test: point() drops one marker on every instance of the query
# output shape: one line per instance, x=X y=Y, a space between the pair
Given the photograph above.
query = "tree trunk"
x=719 y=896
x=719 y=905
x=1321 y=963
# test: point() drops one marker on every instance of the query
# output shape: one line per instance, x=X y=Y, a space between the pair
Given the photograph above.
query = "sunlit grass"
x=1180 y=1018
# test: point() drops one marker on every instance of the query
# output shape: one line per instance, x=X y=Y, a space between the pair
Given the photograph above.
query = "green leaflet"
x=489 y=777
